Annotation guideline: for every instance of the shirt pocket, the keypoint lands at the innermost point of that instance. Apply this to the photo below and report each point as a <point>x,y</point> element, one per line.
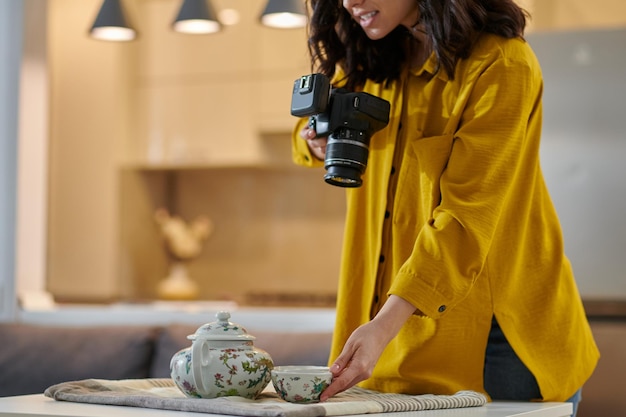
<point>419,189</point>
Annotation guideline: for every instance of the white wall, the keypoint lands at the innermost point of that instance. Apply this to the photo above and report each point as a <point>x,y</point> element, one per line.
<point>11,12</point>
<point>32,161</point>
<point>583,150</point>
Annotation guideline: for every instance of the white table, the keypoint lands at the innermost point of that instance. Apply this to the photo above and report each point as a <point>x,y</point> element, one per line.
<point>40,406</point>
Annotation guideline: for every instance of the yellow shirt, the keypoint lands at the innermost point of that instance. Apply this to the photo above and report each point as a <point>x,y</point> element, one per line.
<point>454,217</point>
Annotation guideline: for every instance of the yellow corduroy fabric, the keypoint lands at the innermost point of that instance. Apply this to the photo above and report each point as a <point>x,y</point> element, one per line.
<point>454,216</point>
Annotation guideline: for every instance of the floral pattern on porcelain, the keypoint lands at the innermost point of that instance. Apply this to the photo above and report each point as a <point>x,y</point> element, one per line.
<point>305,388</point>
<point>181,372</point>
<point>223,326</point>
<point>228,365</point>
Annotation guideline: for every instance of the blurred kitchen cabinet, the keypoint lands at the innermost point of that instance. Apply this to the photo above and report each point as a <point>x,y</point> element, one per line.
<point>204,99</point>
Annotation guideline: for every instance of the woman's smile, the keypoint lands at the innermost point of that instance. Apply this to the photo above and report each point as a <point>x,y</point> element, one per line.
<point>379,17</point>
<point>366,20</point>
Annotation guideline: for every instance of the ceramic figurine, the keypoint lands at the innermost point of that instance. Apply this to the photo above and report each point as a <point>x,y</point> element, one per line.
<point>184,243</point>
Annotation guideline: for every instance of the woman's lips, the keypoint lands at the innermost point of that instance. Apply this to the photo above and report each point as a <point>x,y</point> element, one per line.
<point>366,19</point>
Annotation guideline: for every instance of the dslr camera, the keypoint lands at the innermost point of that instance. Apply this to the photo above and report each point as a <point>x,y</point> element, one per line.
<point>348,119</point>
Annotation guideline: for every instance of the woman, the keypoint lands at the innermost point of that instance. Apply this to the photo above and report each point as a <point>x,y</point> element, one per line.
<point>453,273</point>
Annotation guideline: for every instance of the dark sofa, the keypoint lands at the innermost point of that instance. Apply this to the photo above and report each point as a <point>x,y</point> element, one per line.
<point>34,357</point>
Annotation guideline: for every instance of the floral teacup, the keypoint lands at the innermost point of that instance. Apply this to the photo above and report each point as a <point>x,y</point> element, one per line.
<point>301,384</point>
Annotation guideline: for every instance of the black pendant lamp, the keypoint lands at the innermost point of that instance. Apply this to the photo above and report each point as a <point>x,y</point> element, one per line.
<point>111,23</point>
<point>284,14</point>
<point>197,17</point>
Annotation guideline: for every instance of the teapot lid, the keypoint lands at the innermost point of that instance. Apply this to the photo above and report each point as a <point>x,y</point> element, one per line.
<point>222,329</point>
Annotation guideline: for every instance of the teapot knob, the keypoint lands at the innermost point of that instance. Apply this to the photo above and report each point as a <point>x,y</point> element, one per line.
<point>223,315</point>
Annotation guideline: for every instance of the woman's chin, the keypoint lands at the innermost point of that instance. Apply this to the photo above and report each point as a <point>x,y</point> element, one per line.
<point>376,34</point>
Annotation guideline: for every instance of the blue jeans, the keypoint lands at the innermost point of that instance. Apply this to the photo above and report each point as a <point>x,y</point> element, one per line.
<point>506,377</point>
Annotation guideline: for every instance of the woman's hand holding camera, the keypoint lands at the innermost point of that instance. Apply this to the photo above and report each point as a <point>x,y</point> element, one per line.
<point>316,145</point>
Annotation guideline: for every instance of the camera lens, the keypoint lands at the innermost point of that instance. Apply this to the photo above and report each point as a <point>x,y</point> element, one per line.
<point>346,158</point>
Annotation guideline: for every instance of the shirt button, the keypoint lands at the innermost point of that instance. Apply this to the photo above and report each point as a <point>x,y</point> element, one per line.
<point>306,157</point>
<point>442,309</point>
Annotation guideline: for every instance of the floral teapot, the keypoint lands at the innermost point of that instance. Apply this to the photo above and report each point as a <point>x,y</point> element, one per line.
<point>221,361</point>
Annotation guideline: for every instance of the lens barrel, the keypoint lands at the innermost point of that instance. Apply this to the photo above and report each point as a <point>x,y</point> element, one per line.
<point>347,151</point>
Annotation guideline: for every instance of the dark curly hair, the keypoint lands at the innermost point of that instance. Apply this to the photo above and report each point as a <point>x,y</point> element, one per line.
<point>452,27</point>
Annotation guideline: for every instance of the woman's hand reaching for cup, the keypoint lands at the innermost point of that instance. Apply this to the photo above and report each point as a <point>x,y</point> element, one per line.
<point>357,360</point>
<point>366,344</point>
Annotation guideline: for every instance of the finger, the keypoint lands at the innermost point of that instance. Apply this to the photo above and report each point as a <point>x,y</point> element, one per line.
<point>317,147</point>
<point>341,362</point>
<point>347,379</point>
<point>333,389</point>
<point>342,378</point>
<point>308,133</point>
<point>317,142</point>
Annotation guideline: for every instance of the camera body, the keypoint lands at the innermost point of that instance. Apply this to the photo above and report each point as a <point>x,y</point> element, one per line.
<point>349,120</point>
